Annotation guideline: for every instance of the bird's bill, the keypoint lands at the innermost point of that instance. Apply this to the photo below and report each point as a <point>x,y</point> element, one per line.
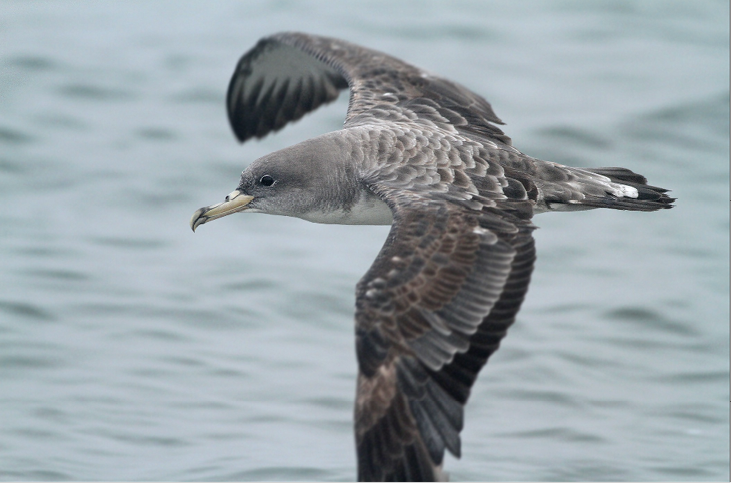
<point>235,201</point>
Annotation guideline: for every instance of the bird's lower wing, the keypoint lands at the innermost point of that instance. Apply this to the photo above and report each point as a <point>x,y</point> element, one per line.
<point>430,311</point>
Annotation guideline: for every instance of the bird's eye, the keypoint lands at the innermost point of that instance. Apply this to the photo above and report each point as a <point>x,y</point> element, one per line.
<point>266,180</point>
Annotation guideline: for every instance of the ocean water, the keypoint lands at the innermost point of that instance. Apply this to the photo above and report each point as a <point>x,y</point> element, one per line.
<point>132,349</point>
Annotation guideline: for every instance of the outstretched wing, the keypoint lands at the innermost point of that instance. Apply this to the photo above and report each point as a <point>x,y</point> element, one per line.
<point>430,311</point>
<point>290,74</point>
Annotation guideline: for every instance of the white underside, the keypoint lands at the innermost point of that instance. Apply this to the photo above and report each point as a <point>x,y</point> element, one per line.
<point>369,210</point>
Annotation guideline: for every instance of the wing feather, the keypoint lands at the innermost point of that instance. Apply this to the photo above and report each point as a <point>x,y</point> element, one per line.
<point>431,310</point>
<point>286,75</point>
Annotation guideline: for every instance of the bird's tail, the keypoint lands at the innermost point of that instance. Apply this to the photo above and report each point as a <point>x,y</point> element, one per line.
<point>649,198</point>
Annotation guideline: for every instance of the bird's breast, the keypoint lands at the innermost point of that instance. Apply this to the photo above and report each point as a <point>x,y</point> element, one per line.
<point>369,209</point>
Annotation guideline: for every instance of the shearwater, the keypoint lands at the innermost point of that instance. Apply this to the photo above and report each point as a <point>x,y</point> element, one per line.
<point>425,155</point>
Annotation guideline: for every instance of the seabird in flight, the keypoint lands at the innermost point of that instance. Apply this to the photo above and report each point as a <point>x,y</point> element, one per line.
<point>425,155</point>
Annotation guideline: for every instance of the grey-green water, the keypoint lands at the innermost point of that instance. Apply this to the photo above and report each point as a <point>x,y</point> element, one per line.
<point>132,349</point>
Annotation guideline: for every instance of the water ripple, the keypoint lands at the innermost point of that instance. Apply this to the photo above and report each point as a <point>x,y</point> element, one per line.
<point>26,310</point>
<point>651,319</point>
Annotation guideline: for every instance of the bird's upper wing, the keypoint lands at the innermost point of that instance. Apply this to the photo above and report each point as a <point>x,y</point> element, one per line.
<point>287,75</point>
<point>430,311</point>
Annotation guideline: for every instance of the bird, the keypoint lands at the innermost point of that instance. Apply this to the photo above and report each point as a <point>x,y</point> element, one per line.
<point>426,156</point>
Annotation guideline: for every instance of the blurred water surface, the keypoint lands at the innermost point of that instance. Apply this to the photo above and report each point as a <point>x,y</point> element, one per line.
<point>131,349</point>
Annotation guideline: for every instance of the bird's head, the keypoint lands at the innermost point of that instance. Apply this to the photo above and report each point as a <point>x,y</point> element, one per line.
<point>296,181</point>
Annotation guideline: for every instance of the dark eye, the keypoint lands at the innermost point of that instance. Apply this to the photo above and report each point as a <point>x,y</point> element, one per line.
<point>266,180</point>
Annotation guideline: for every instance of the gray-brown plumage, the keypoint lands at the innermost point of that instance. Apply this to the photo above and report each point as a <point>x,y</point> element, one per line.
<point>425,155</point>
